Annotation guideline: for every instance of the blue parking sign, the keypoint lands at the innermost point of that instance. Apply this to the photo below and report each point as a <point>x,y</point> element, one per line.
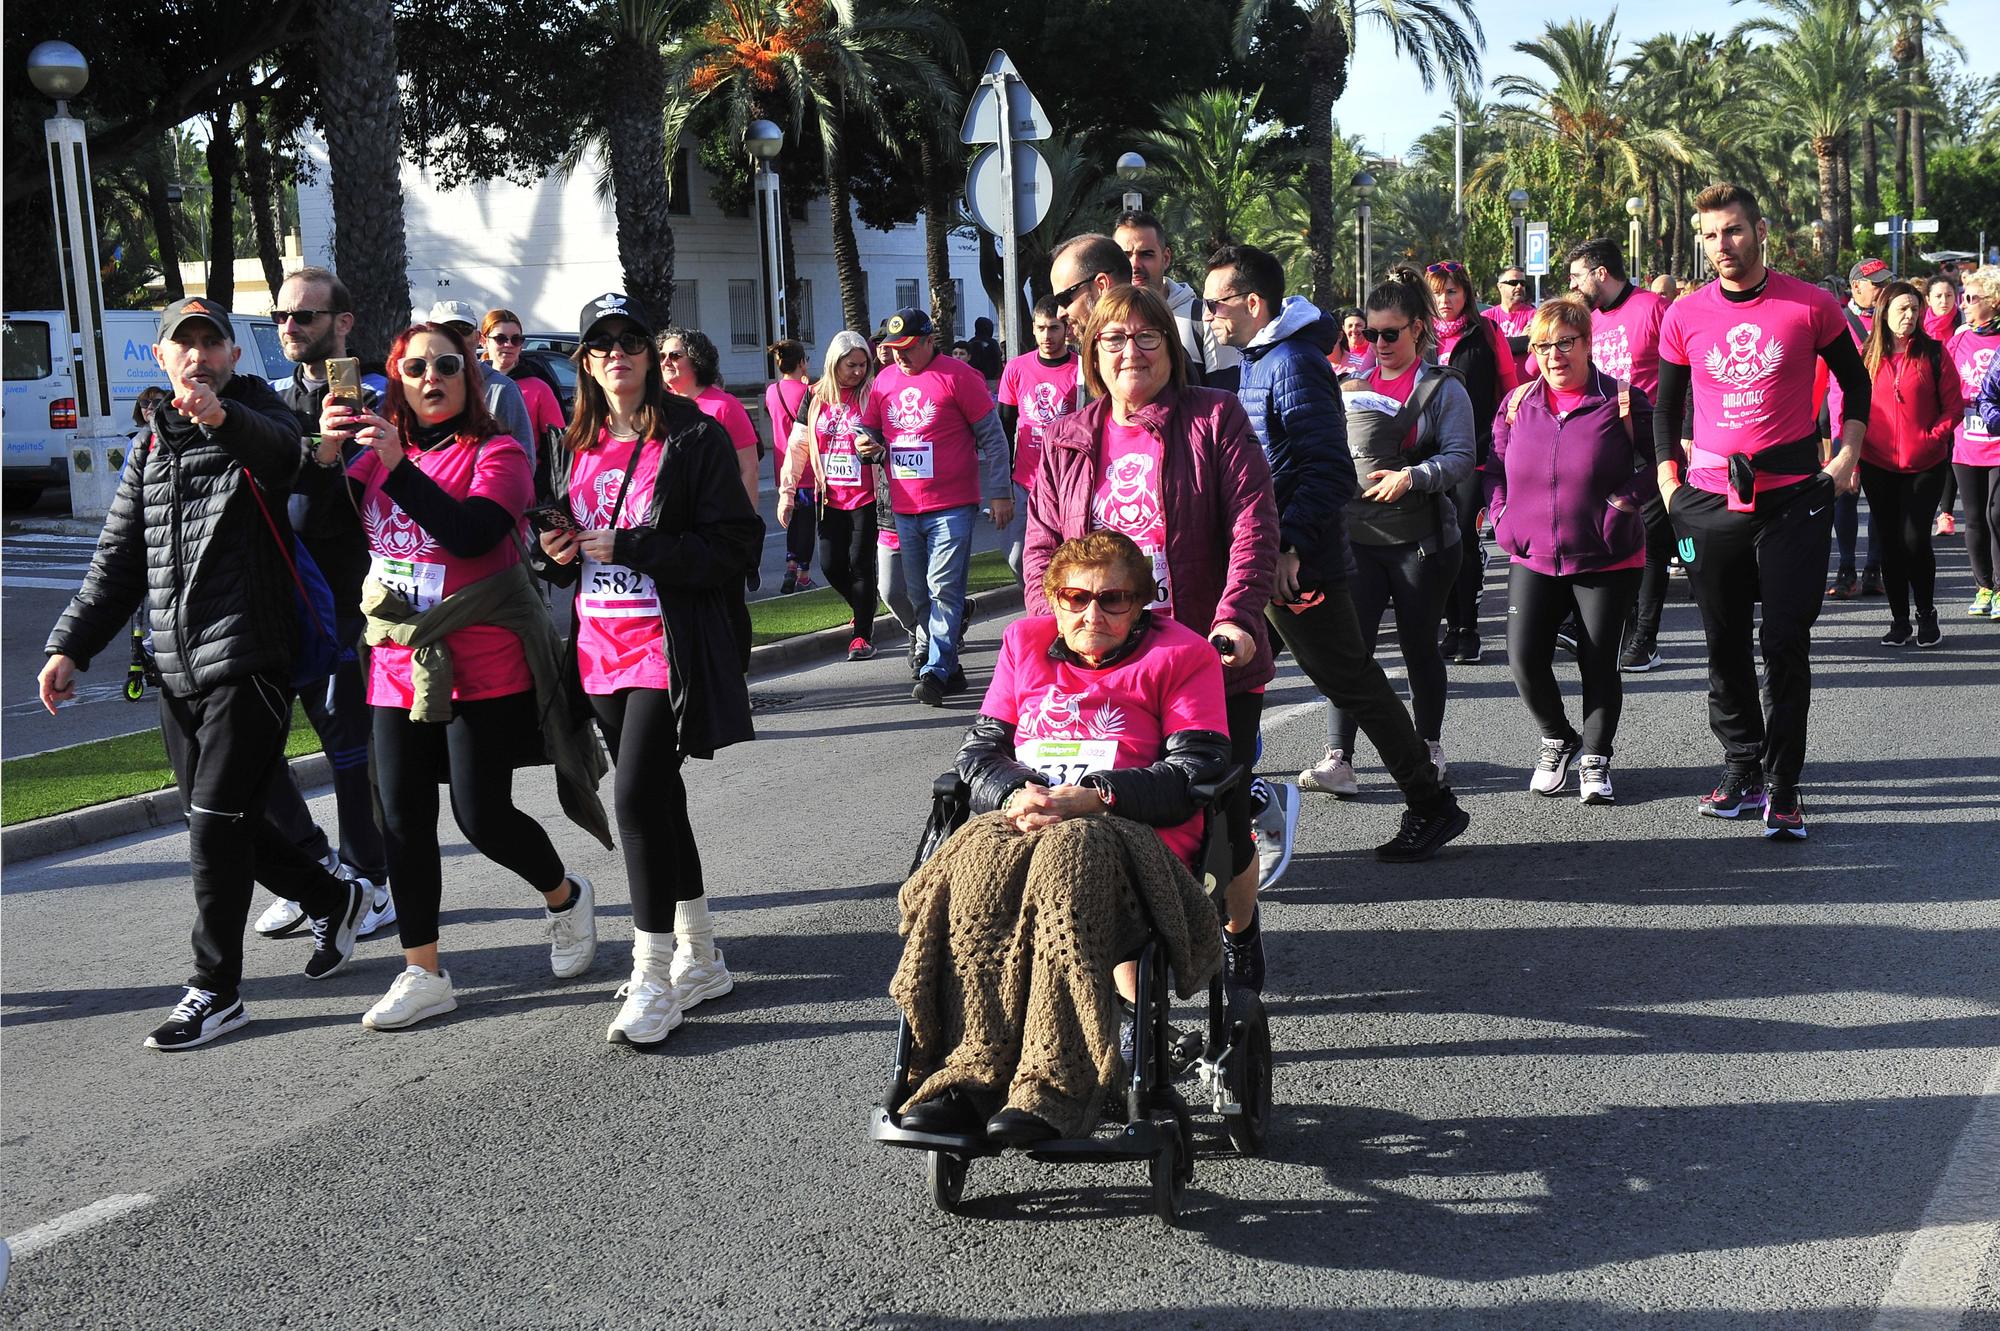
<point>1535,249</point>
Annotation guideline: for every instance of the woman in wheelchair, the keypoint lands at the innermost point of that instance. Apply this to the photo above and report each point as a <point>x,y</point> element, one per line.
<point>1100,721</point>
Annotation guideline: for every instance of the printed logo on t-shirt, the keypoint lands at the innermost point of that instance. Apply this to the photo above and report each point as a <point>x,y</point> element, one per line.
<point>393,533</point>
<point>603,494</point>
<point>1044,405</point>
<point>909,413</point>
<point>1973,372</point>
<point>1740,362</point>
<point>1612,351</point>
<point>1059,715</point>
<point>1131,503</point>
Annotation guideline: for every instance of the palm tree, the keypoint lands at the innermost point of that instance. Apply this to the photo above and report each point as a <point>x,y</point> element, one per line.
<point>1212,163</point>
<point>1911,22</point>
<point>634,142</point>
<point>1440,37</point>
<point>786,60</point>
<point>1681,83</point>
<point>362,116</point>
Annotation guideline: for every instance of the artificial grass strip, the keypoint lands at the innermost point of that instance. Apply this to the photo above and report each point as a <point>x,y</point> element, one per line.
<point>822,608</point>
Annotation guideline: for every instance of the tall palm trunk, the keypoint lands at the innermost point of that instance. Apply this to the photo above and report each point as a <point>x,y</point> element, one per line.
<point>1326,79</point>
<point>937,237</point>
<point>222,160</point>
<point>1825,151</point>
<point>1651,242</point>
<point>263,212</point>
<point>1843,190</point>
<point>1920,185</point>
<point>1871,185</point>
<point>846,254</point>
<point>160,212</point>
<point>362,117</point>
<point>636,143</point>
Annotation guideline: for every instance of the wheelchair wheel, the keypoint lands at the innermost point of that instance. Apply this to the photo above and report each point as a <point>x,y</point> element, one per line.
<point>1249,1074</point>
<point>947,1178</point>
<point>1167,1179</point>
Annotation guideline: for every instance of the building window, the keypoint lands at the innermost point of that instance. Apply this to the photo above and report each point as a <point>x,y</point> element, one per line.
<point>680,192</point>
<point>746,322</point>
<point>802,314</point>
<point>908,294</point>
<point>958,324</point>
<point>686,307</point>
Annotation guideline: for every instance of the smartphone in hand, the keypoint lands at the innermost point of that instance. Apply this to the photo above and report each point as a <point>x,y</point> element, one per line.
<point>343,380</point>
<point>552,517</point>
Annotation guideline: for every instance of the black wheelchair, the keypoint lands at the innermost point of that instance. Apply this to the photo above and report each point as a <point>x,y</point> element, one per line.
<point>1228,1060</point>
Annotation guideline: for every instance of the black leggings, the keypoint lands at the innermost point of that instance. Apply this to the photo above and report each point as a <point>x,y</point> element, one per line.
<point>649,798</point>
<point>1981,488</point>
<point>1536,604</point>
<point>1461,609</point>
<point>1246,715</point>
<point>847,540</point>
<point>1417,585</point>
<point>1904,504</point>
<point>799,533</point>
<point>477,748</point>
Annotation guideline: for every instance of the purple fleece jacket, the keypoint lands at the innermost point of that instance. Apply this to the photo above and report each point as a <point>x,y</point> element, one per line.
<point>1565,494</point>
<point>1222,518</point>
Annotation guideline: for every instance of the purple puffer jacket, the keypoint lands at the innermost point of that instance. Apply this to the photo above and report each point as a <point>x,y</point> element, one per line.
<point>1565,494</point>
<point>1222,518</point>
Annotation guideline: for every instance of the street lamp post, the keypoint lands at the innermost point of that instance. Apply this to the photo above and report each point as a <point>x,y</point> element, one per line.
<point>1130,167</point>
<point>1364,190</point>
<point>59,71</point>
<point>1700,251</point>
<point>764,141</point>
<point>1633,207</point>
<point>1517,202</point>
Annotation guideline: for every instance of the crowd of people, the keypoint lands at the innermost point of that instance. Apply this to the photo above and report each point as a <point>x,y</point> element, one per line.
<point>1186,480</point>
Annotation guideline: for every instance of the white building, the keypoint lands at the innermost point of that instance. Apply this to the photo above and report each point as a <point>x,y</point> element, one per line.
<point>543,251</point>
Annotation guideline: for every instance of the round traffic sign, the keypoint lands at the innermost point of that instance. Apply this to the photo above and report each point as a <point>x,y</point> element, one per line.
<point>1034,189</point>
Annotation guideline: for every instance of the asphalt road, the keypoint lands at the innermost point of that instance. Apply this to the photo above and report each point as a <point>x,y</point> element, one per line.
<point>1593,1068</point>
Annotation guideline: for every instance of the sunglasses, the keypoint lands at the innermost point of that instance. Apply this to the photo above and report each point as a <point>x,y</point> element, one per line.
<point>1388,335</point>
<point>303,318</point>
<point>1513,281</point>
<point>1115,600</point>
<point>1146,339</point>
<point>1448,266</point>
<point>632,344</point>
<point>1069,293</point>
<point>415,367</point>
<point>1210,308</point>
<point>507,339</point>
<point>1562,346</point>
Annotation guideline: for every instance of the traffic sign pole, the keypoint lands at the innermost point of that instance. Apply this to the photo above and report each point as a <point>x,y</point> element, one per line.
<point>1010,257</point>
<point>1001,111</point>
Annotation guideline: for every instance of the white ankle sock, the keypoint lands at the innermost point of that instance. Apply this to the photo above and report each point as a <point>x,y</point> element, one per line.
<point>691,926</point>
<point>651,952</point>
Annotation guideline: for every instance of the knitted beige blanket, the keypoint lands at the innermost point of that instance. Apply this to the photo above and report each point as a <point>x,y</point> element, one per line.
<point>1011,939</point>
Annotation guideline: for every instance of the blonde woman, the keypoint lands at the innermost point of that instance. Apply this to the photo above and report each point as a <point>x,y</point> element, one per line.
<point>828,461</point>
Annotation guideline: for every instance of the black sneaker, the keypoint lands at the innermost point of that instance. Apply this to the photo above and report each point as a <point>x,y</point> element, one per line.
<point>1784,815</point>
<point>1928,632</point>
<point>199,1017</point>
<point>929,690</point>
<point>1424,831</point>
<point>1738,795</point>
<point>1243,957</point>
<point>1468,647</point>
<point>1899,635</point>
<point>1448,643</point>
<point>1566,636</point>
<point>917,655</point>
<point>955,681</point>
<point>1639,656</point>
<point>1871,582</point>
<point>790,584</point>
<point>333,935</point>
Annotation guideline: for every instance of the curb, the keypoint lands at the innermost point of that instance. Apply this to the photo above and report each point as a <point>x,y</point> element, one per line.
<point>162,808</point>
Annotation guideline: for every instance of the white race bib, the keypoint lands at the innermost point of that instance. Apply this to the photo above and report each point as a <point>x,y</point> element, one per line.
<point>419,583</point>
<point>910,459</point>
<point>840,468</point>
<point>1165,603</point>
<point>613,591</point>
<point>1065,761</point>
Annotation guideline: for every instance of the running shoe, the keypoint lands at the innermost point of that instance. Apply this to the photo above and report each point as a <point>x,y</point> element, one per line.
<point>790,584</point>
<point>1593,780</point>
<point>415,996</point>
<point>1844,587</point>
<point>381,909</point>
<point>1928,632</point>
<point>333,935</point>
<point>1436,750</point>
<point>1243,957</point>
<point>928,690</point>
<point>1331,775</point>
<point>1425,830</point>
<point>1448,643</point>
<point>1566,638</point>
<point>1946,525</point>
<point>1899,635</point>
<point>1551,772</point>
<point>649,1014</point>
<point>1981,607</point>
<point>1871,582</point>
<point>1639,656</point>
<point>1468,647</point>
<point>955,682</point>
<point>805,583</point>
<point>1273,829</point>
<point>698,979</point>
<point>918,653</point>
<point>1784,815</point>
<point>1739,794</point>
<point>201,1015</point>
<point>573,931</point>
<point>860,649</point>
<point>282,918</point>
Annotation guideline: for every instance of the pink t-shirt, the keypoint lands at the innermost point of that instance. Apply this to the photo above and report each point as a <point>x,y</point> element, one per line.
<point>1513,323</point>
<point>1752,367</point>
<point>927,420</point>
<point>1042,393</point>
<point>1070,720</point>
<point>722,406</point>
<point>1625,342</point>
<point>848,483</point>
<point>1400,389</point>
<point>1127,497</point>
<point>1562,401</point>
<point>1973,352</point>
<point>487,660</point>
<point>1358,364</point>
<point>784,402</point>
<point>544,412</point>
<point>620,639</point>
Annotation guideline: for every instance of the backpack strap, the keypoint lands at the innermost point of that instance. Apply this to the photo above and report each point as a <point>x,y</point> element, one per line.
<point>1518,396</point>
<point>1625,411</point>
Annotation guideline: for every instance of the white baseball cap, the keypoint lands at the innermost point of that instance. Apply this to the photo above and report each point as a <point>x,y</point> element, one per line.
<point>452,312</point>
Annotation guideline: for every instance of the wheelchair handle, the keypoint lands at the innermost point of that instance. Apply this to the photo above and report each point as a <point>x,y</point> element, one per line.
<point>1223,647</point>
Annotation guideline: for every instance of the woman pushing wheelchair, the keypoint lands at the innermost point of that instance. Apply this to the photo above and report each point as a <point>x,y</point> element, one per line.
<point>1101,721</point>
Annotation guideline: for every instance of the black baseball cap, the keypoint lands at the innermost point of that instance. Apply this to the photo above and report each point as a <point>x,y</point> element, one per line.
<point>194,307</point>
<point>612,304</point>
<point>905,326</point>
<point>1870,270</point>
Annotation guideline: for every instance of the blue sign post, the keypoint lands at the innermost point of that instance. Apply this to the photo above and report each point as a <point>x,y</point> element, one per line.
<point>1535,254</point>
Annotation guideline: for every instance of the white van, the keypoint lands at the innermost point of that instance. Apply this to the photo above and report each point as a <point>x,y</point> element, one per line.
<point>40,394</point>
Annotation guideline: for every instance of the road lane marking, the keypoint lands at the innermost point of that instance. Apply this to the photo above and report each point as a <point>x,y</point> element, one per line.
<point>1934,1284</point>
<point>75,1222</point>
<point>42,584</point>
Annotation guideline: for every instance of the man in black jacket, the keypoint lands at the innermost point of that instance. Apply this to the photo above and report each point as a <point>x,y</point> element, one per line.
<point>185,537</point>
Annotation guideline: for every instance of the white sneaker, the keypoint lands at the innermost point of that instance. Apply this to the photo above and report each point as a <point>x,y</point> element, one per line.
<point>416,995</point>
<point>381,912</point>
<point>1593,780</point>
<point>1437,756</point>
<point>1331,775</point>
<point>1552,765</point>
<point>573,932</point>
<point>1273,830</point>
<point>651,1010</point>
<point>280,918</point>
<point>697,979</point>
